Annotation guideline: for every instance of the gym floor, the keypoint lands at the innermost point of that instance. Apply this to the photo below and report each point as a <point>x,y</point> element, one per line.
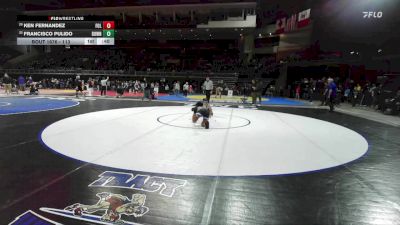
<point>109,161</point>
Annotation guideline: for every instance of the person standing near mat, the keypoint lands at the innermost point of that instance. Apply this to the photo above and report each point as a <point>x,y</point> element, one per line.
<point>21,83</point>
<point>219,89</point>
<point>208,86</point>
<point>78,85</point>
<point>331,94</point>
<point>120,89</point>
<point>185,89</point>
<point>7,84</point>
<point>103,84</point>
<point>146,90</point>
<point>255,91</point>
<point>90,85</point>
<point>177,88</point>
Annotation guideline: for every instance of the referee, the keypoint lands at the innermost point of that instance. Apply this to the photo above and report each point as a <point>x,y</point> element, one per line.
<point>208,86</point>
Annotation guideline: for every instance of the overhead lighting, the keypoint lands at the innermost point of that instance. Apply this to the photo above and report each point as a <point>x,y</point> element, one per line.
<point>379,50</point>
<point>259,35</point>
<point>270,34</point>
<point>352,52</point>
<point>191,30</point>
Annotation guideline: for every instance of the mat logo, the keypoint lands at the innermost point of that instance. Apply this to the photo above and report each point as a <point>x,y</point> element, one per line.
<point>165,186</point>
<point>373,14</point>
<point>111,206</point>
<point>114,205</point>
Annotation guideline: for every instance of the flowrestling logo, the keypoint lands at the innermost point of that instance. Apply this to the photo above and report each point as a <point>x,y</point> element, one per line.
<point>373,14</point>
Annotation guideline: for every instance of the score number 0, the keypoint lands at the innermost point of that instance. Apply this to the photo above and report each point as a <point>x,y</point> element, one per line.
<point>108,25</point>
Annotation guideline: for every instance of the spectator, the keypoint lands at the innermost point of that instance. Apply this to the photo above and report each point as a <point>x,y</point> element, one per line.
<point>103,84</point>
<point>177,88</point>
<point>374,95</point>
<point>21,83</point>
<point>208,87</point>
<point>78,85</point>
<point>156,90</point>
<point>90,86</point>
<point>325,94</point>
<point>146,91</point>
<point>120,89</point>
<point>190,89</point>
<point>136,87</point>
<point>255,91</point>
<point>310,92</point>
<point>392,105</point>
<point>7,81</point>
<point>298,88</point>
<point>185,89</point>
<point>331,94</point>
<point>166,88</point>
<point>356,94</point>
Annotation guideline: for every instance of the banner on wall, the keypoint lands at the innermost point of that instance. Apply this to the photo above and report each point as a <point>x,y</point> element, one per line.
<point>304,18</point>
<point>294,22</point>
<point>280,25</point>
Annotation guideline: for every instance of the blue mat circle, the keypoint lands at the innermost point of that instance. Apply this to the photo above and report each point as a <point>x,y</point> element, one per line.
<point>19,105</point>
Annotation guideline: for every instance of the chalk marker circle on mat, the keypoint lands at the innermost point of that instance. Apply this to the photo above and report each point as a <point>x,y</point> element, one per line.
<point>272,144</point>
<point>222,121</point>
<point>2,104</point>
